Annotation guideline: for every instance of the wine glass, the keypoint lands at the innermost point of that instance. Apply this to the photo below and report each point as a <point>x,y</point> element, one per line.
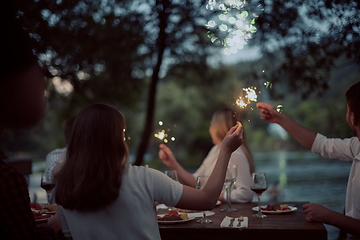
<point>200,182</point>
<point>47,183</point>
<point>173,175</point>
<point>259,185</point>
<point>230,180</point>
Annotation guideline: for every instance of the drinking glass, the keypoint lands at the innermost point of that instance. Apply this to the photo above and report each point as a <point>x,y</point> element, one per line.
<point>259,185</point>
<point>200,182</point>
<point>230,180</point>
<point>47,183</point>
<point>173,175</point>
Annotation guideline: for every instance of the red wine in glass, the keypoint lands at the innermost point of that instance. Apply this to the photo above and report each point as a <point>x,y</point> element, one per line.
<point>47,186</point>
<point>258,191</point>
<point>259,185</point>
<point>47,182</point>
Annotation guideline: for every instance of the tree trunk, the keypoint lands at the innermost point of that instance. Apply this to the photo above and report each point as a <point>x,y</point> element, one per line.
<point>161,5</point>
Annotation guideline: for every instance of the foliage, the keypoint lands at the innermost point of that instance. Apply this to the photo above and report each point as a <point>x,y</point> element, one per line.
<point>151,60</point>
<point>304,39</point>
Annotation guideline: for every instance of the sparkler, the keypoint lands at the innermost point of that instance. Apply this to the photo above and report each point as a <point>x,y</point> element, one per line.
<point>126,138</point>
<point>249,95</point>
<point>163,134</point>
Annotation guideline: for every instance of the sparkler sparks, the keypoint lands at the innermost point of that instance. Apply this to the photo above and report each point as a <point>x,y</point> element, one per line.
<point>249,96</point>
<point>268,85</point>
<point>163,134</point>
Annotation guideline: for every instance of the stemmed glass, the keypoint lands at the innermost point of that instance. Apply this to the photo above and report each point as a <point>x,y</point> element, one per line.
<point>230,180</point>
<point>47,183</point>
<point>259,185</point>
<point>173,175</point>
<point>200,182</point>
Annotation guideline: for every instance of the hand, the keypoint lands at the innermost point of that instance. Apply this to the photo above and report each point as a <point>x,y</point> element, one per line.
<point>166,155</point>
<point>233,138</point>
<point>268,112</point>
<point>54,223</point>
<point>317,213</point>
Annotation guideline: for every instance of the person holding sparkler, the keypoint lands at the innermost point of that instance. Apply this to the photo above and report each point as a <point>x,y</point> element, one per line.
<point>102,196</point>
<point>222,120</point>
<point>333,148</point>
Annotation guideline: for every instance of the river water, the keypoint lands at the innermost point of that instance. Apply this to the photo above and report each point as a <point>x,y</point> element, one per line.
<point>300,176</point>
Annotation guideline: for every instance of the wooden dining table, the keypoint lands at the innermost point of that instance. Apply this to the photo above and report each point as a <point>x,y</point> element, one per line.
<point>287,226</point>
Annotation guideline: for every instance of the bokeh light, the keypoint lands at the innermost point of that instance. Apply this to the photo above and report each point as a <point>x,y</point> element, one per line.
<point>234,25</point>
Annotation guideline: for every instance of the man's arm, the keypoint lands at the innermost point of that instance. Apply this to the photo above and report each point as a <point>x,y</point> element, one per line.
<point>317,213</point>
<point>302,134</point>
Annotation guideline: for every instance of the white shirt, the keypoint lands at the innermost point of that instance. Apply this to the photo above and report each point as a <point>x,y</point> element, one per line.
<point>241,191</point>
<point>132,215</point>
<point>52,159</point>
<point>346,150</point>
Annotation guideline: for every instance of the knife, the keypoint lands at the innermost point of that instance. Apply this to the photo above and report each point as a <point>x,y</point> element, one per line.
<point>240,219</point>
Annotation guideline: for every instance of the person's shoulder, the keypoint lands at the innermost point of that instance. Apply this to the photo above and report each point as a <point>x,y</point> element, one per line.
<point>239,151</point>
<point>57,151</point>
<point>136,169</point>
<point>8,173</point>
<point>145,172</point>
<point>215,149</point>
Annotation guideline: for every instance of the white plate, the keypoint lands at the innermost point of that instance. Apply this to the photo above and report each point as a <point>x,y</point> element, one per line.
<point>292,209</point>
<point>48,212</point>
<point>43,219</point>
<point>173,222</point>
<point>218,203</point>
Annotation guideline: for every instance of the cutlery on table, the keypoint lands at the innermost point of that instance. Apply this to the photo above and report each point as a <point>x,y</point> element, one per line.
<point>231,222</point>
<point>240,219</point>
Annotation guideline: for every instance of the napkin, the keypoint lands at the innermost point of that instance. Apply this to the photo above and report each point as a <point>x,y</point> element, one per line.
<point>226,222</point>
<point>161,206</point>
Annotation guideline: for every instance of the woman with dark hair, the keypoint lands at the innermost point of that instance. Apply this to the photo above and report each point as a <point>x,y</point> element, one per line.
<point>222,120</point>
<point>100,196</point>
<point>55,158</point>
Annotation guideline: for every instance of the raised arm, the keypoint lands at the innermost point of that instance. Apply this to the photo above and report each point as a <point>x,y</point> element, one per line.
<point>205,198</point>
<point>302,134</point>
<point>169,160</point>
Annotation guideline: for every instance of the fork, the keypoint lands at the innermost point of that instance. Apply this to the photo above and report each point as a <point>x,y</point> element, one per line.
<point>240,219</point>
<point>231,222</point>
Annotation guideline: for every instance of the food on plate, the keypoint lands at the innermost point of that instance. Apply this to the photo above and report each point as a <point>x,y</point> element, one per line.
<point>35,206</point>
<point>37,215</point>
<point>186,210</point>
<point>173,215</point>
<point>276,207</point>
<point>49,208</point>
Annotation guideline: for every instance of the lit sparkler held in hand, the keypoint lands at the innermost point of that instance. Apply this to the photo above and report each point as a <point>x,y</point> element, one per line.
<point>163,134</point>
